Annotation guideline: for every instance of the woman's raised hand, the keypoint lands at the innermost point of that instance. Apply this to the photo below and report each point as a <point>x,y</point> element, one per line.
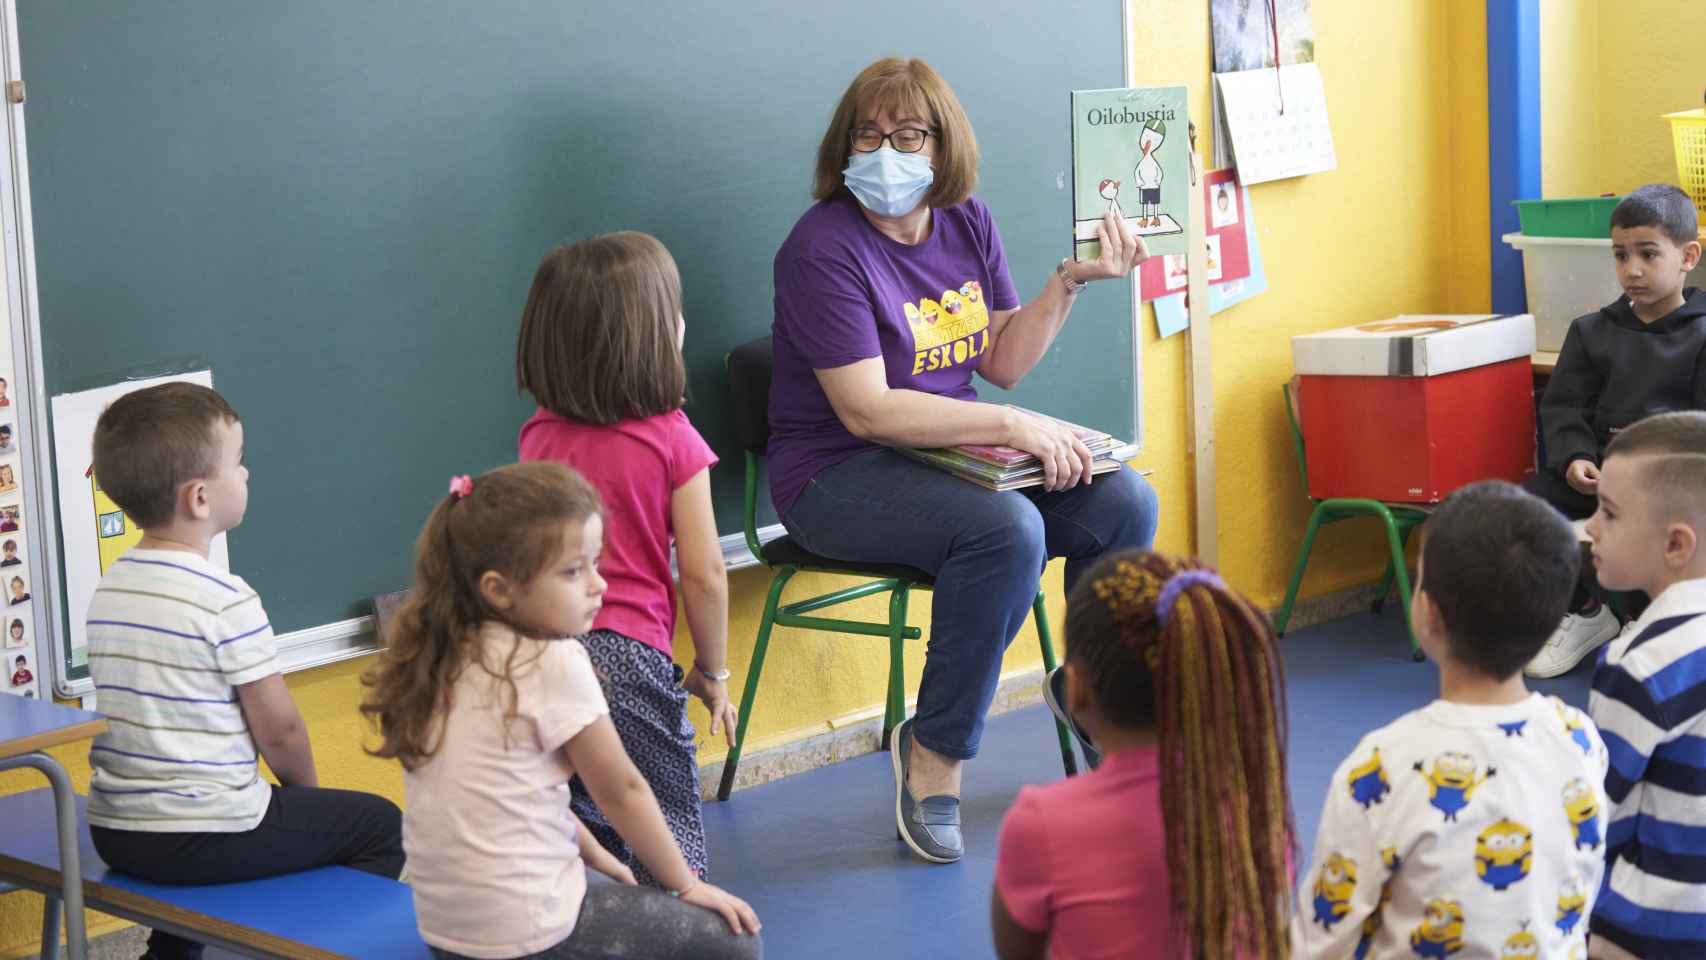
<point>1065,458</point>
<point>1121,250</point>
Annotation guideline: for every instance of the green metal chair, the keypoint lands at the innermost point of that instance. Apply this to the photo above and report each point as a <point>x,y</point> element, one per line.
<point>749,369</point>
<point>1399,520</point>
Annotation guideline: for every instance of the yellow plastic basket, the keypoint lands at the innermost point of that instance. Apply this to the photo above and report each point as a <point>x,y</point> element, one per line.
<point>1689,130</point>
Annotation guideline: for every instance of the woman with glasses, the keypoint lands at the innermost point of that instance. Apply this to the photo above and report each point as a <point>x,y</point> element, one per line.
<point>891,291</point>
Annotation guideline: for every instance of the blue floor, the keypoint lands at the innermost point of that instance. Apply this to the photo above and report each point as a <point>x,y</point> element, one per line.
<point>816,854</point>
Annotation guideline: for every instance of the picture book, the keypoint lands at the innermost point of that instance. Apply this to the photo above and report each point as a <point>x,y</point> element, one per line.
<point>1131,156</point>
<point>1000,467</point>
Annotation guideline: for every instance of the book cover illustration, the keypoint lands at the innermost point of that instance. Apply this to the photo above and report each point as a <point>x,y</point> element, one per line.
<point>1130,156</point>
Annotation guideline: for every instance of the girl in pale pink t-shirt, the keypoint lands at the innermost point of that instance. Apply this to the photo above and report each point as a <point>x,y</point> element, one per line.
<point>1179,845</point>
<point>491,709</point>
<point>600,350</point>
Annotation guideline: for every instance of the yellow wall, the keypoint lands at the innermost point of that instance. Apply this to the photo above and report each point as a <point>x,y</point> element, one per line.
<point>1609,71</point>
<point>1399,227</point>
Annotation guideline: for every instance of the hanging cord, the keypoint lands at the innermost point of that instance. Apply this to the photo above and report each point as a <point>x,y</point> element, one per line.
<point>1273,28</point>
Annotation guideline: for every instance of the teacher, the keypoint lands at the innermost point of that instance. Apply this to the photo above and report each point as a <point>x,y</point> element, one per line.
<point>891,291</point>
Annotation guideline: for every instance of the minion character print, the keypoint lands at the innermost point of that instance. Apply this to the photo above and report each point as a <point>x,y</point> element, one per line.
<point>1504,853</point>
<point>1368,783</point>
<point>1521,946</point>
<point>1371,923</point>
<point>1575,725</point>
<point>1452,781</point>
<point>1582,807</point>
<point>1333,888</point>
<point>1441,930</point>
<point>1572,903</point>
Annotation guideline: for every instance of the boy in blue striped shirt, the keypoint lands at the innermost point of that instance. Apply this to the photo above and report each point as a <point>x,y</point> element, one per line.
<point>184,662</point>
<point>1649,693</point>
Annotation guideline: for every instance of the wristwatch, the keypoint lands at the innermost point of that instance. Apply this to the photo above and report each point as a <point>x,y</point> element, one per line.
<point>721,676</point>
<point>1072,286</point>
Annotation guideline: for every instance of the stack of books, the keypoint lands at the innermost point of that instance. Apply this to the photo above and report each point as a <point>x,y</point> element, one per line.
<point>1000,467</point>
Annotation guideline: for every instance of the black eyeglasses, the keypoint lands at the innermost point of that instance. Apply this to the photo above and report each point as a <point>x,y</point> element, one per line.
<point>906,139</point>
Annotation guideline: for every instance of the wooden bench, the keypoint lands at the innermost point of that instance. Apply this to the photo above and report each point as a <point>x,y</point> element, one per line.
<point>320,914</point>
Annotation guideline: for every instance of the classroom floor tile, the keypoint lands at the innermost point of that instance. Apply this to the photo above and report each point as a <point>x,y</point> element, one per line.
<point>816,854</point>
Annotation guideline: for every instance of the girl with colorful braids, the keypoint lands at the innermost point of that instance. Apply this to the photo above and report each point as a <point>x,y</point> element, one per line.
<point>1180,843</point>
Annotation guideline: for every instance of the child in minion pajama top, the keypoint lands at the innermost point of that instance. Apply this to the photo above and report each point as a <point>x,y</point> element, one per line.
<point>1489,834</point>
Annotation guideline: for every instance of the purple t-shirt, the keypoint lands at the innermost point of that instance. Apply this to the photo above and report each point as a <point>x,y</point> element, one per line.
<point>845,292</point>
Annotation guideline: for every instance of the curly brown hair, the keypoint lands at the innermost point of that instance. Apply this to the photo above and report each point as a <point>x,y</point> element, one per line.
<point>1164,643</point>
<point>511,522</point>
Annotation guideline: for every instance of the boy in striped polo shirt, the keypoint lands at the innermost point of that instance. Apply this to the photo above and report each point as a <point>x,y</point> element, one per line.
<point>1649,694</point>
<point>183,659</point>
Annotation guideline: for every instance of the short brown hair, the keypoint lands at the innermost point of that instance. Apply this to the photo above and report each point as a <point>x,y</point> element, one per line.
<point>1675,474</point>
<point>598,338</point>
<point>1500,564</point>
<point>511,521</point>
<point>151,442</point>
<point>903,88</point>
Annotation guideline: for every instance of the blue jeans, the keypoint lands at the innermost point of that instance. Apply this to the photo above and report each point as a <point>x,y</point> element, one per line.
<point>986,551</point>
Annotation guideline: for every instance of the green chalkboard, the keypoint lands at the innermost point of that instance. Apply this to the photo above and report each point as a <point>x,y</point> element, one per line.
<point>338,205</point>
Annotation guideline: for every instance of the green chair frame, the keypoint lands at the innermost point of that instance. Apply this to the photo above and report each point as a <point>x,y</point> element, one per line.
<point>799,614</point>
<point>1399,521</point>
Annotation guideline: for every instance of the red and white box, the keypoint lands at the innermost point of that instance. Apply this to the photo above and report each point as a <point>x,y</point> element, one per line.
<point>1409,409</point>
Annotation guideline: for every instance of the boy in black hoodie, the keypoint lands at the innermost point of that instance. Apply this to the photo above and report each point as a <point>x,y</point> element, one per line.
<point>1641,355</point>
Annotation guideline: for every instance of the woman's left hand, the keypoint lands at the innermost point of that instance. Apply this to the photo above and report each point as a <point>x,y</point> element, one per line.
<point>715,695</point>
<point>1121,250</point>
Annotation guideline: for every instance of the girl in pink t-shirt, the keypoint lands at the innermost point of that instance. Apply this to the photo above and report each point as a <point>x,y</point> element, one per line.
<point>491,709</point>
<point>600,350</point>
<point>1180,843</point>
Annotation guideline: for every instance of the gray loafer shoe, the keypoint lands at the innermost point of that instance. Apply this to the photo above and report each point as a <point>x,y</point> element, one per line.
<point>931,826</point>
<point>1054,694</point>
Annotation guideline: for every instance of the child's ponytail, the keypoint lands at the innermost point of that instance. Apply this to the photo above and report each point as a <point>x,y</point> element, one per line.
<point>1167,643</point>
<point>509,521</point>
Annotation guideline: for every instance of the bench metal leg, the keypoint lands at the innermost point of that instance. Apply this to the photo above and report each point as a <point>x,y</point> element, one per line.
<point>70,873</point>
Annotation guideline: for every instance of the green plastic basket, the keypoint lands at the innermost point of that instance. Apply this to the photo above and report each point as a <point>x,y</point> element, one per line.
<point>1575,217</point>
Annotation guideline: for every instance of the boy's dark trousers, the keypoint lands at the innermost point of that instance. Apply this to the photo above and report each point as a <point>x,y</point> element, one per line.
<point>303,828</point>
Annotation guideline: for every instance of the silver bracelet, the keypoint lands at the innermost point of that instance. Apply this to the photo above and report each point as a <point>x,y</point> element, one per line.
<point>1065,275</point>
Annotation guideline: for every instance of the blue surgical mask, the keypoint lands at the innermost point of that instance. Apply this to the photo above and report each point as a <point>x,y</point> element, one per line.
<point>889,183</point>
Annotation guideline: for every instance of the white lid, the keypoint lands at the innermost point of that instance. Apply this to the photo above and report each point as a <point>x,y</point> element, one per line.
<point>1416,345</point>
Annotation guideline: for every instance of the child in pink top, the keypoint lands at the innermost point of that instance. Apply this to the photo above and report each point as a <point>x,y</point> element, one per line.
<point>1180,843</point>
<point>491,708</point>
<point>600,350</point>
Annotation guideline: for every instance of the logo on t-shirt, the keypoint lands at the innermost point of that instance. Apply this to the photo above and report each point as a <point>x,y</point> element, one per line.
<point>951,331</point>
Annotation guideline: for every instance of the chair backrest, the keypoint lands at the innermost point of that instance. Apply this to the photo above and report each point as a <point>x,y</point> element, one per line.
<point>1289,388</point>
<point>749,368</point>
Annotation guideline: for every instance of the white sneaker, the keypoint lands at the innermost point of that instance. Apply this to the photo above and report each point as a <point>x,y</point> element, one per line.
<point>1576,638</point>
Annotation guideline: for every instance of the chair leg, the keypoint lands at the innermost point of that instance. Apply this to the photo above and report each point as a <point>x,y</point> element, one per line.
<point>1402,575</point>
<point>50,927</point>
<point>732,762</point>
<point>1045,639</point>
<point>1385,588</point>
<point>1387,577</point>
<point>1284,614</point>
<point>894,701</point>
